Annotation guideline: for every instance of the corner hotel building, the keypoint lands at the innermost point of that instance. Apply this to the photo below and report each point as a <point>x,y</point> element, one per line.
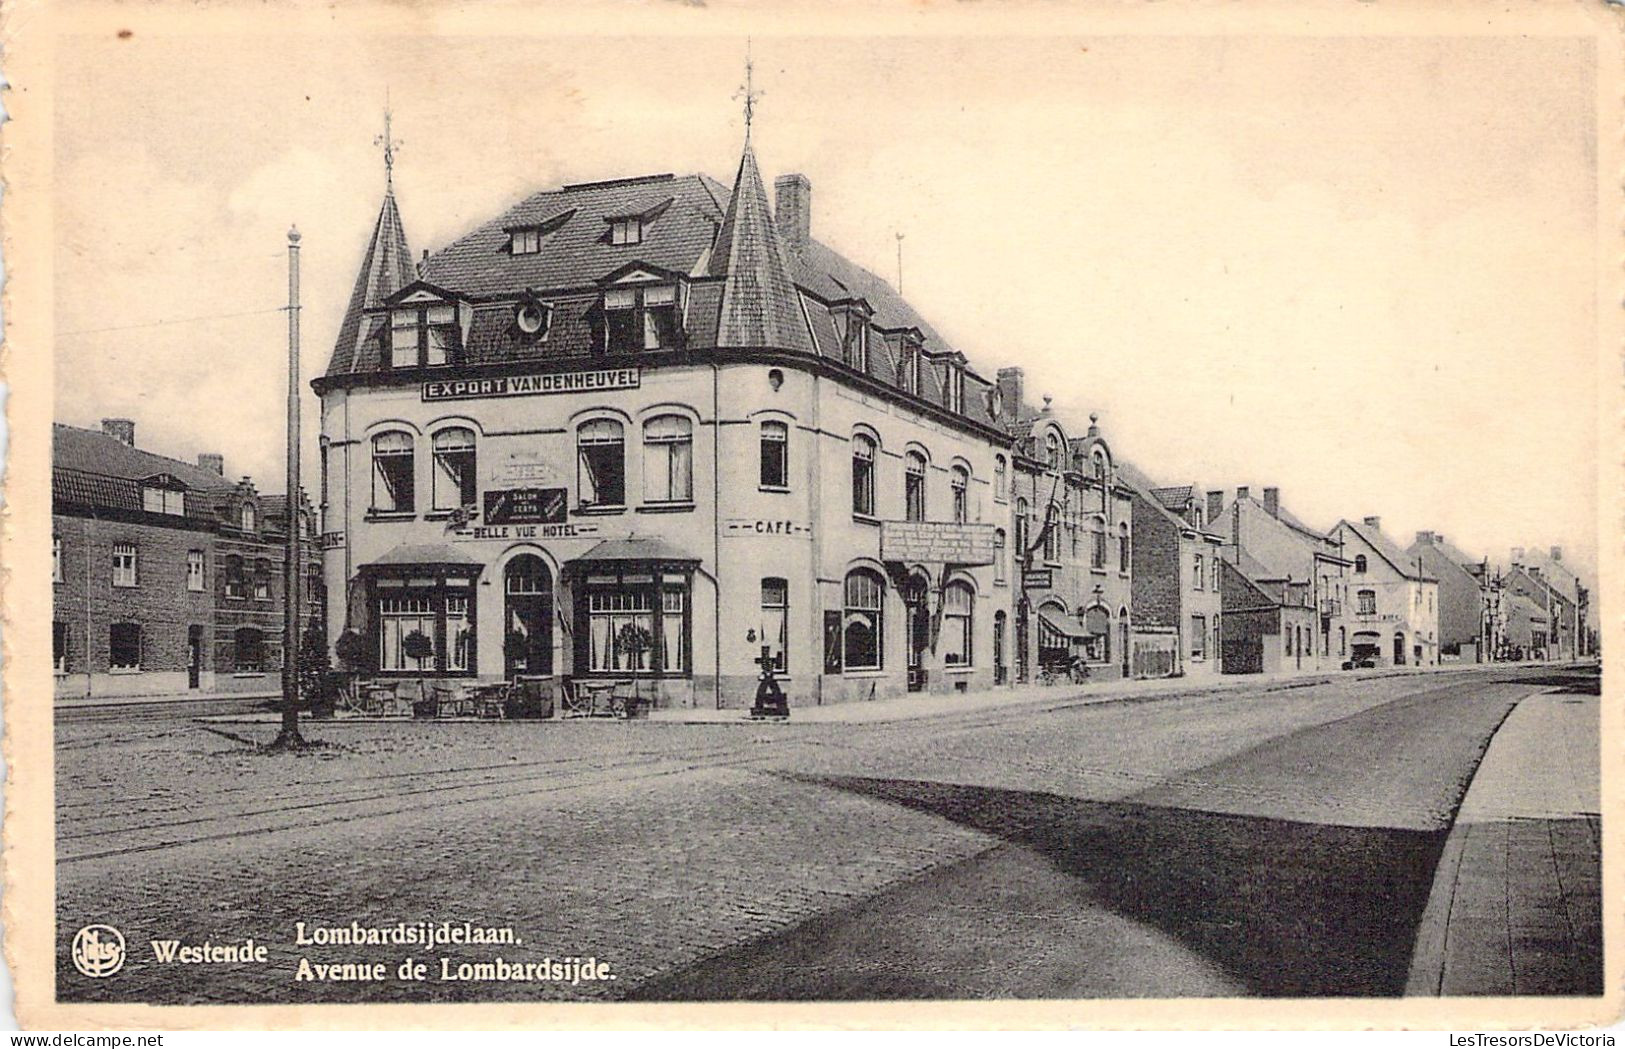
<point>646,401</point>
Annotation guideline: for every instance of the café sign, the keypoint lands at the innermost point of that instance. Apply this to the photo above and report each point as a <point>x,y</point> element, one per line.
<point>527,385</point>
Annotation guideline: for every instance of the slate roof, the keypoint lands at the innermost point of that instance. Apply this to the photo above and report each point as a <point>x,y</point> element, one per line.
<point>760,304</point>
<point>92,451</point>
<point>1176,498</point>
<point>1556,573</point>
<point>748,286</point>
<point>1402,562</point>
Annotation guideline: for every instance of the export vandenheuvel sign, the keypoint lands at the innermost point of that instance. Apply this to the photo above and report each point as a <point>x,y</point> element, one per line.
<point>526,385</point>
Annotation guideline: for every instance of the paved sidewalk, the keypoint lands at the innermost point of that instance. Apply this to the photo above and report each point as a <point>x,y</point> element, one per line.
<point>927,705</point>
<point>1516,903</point>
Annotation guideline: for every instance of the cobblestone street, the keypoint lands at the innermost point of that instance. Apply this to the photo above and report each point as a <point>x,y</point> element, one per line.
<point>1263,842</point>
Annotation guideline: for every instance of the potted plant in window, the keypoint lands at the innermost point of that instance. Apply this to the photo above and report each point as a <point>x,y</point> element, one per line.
<point>354,653</point>
<point>634,639</point>
<point>418,646</point>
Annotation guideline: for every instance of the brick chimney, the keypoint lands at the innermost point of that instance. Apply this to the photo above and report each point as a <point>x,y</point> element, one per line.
<point>1242,493</point>
<point>1517,555</point>
<point>1557,553</point>
<point>121,430</point>
<point>1215,506</point>
<point>1374,522</point>
<point>1427,538</point>
<point>1272,502</point>
<point>1010,391</point>
<point>792,210</point>
<point>213,462</point>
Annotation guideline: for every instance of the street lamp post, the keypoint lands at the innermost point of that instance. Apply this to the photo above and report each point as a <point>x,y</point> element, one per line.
<point>289,736</point>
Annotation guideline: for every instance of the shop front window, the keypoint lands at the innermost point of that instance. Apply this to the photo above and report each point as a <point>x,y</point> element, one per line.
<point>863,623</point>
<point>425,623</point>
<point>634,621</point>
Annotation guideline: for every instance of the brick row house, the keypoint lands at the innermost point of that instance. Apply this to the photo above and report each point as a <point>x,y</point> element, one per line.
<point>649,426</point>
<point>167,577</point>
<point>1285,591</point>
<point>1177,604</point>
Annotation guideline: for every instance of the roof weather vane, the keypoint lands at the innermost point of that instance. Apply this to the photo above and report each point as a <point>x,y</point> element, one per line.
<point>748,92</point>
<point>390,144</point>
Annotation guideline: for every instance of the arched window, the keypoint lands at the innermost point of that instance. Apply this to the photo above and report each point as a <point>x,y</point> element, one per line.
<point>668,460</point>
<point>1052,534</point>
<point>1100,466</point>
<point>262,580</point>
<point>863,622</point>
<point>392,472</point>
<point>250,648</point>
<point>1001,478</point>
<point>1021,530</point>
<point>1359,564</point>
<point>958,606</point>
<point>454,485</point>
<point>1097,537</point>
<point>998,555</point>
<point>247,519</point>
<point>1052,450</point>
<point>775,455</point>
<point>914,487</point>
<point>601,463</point>
<point>959,484</point>
<point>1123,547</point>
<point>1367,602</point>
<point>863,475</point>
<point>1097,635</point>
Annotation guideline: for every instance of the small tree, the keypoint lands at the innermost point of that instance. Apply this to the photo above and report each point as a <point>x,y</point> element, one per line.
<point>634,639</point>
<point>417,645</point>
<point>354,653</point>
<point>315,672</point>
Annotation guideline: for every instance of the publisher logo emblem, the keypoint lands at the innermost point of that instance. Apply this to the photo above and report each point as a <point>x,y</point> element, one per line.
<point>98,950</point>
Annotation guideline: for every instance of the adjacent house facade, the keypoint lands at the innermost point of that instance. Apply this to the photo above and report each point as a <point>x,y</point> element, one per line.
<point>167,578</point>
<point>1301,570</point>
<point>1468,613</point>
<point>1394,620</point>
<point>1178,603</point>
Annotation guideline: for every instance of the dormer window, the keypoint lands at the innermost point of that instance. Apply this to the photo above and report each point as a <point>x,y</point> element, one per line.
<point>525,241</point>
<point>908,367</point>
<point>626,231</point>
<point>246,519</point>
<point>159,497</point>
<point>953,395</point>
<point>422,336</point>
<point>642,319</point>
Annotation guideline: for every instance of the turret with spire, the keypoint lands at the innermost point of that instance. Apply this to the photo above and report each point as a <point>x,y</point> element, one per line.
<point>759,298</point>
<point>386,267</point>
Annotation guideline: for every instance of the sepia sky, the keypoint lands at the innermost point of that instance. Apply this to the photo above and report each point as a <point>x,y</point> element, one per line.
<point>1360,269</point>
